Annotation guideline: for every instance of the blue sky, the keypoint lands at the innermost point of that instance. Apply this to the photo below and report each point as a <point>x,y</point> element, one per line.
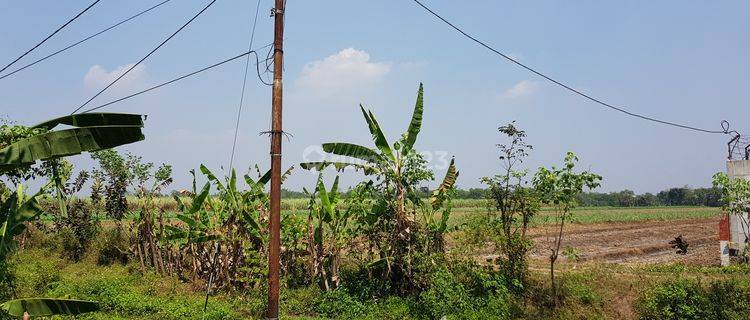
<point>683,61</point>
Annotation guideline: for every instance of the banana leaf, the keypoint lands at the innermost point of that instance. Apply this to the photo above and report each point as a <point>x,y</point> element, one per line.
<point>95,120</point>
<point>438,196</point>
<point>39,307</point>
<point>93,132</point>
<point>353,150</point>
<point>416,122</point>
<point>340,166</point>
<point>377,134</point>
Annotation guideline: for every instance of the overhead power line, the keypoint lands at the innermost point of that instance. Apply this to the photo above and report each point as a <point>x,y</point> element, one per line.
<point>562,84</point>
<point>50,36</point>
<point>244,84</point>
<point>146,56</point>
<point>83,40</point>
<point>183,77</point>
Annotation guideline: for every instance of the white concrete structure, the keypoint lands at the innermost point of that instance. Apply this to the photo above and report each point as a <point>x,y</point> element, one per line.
<point>738,227</point>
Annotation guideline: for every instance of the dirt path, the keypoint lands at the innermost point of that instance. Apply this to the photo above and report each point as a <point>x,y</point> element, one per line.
<point>637,242</point>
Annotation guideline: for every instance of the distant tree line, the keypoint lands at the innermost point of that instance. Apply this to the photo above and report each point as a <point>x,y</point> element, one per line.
<point>682,196</point>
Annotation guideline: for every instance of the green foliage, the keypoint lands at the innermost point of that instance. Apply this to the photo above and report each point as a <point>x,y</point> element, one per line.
<point>35,271</point>
<point>11,133</point>
<point>15,212</point>
<point>328,232</point>
<point>117,295</point>
<point>83,227</point>
<point>338,304</point>
<point>560,188</point>
<point>112,245</point>
<point>90,132</point>
<point>7,281</point>
<point>680,299</point>
<point>389,227</point>
<point>512,205</point>
<point>113,168</point>
<point>37,307</point>
<point>688,299</point>
<point>577,287</point>
<point>735,193</point>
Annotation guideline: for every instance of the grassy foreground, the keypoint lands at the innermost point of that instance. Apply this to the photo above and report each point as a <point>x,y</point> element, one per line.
<point>592,291</point>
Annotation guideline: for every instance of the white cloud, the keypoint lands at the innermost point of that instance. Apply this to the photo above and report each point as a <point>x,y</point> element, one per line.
<point>522,89</point>
<point>97,77</point>
<point>347,69</point>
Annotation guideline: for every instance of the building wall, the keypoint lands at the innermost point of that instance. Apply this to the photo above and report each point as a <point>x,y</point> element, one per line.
<point>738,169</point>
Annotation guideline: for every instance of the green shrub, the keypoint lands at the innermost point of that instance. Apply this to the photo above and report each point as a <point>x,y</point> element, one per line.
<point>298,301</point>
<point>686,299</point>
<point>477,296</point>
<point>35,270</point>
<point>338,304</point>
<point>679,299</point>
<point>112,245</point>
<point>730,300</point>
<point>7,281</point>
<point>118,294</point>
<point>575,287</point>
<point>364,284</point>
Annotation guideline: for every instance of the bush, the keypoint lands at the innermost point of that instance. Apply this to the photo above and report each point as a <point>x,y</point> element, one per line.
<point>446,296</point>
<point>575,287</point>
<point>338,304</point>
<point>363,285</point>
<point>83,227</point>
<point>679,299</point>
<point>7,281</point>
<point>35,270</point>
<point>119,295</point>
<point>465,293</point>
<point>731,300</point>
<point>686,299</point>
<point>111,246</point>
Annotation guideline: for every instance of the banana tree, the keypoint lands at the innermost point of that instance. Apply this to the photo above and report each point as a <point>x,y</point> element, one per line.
<point>385,160</point>
<point>15,212</point>
<point>222,234</point>
<point>90,132</point>
<point>399,168</point>
<point>196,230</point>
<point>440,201</point>
<point>327,224</point>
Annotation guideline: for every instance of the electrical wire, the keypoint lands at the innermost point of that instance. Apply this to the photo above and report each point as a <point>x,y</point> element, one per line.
<point>146,56</point>
<point>83,40</point>
<point>50,36</point>
<point>561,84</point>
<point>180,78</point>
<point>244,83</point>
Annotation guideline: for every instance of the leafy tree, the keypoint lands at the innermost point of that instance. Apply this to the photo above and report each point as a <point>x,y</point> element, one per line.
<point>735,194</point>
<point>560,187</point>
<point>514,204</point>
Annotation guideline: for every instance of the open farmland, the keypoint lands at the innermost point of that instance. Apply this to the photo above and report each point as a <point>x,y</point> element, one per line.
<point>626,235</point>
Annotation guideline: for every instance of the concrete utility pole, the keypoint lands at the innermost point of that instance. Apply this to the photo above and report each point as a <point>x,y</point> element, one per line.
<point>274,251</point>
